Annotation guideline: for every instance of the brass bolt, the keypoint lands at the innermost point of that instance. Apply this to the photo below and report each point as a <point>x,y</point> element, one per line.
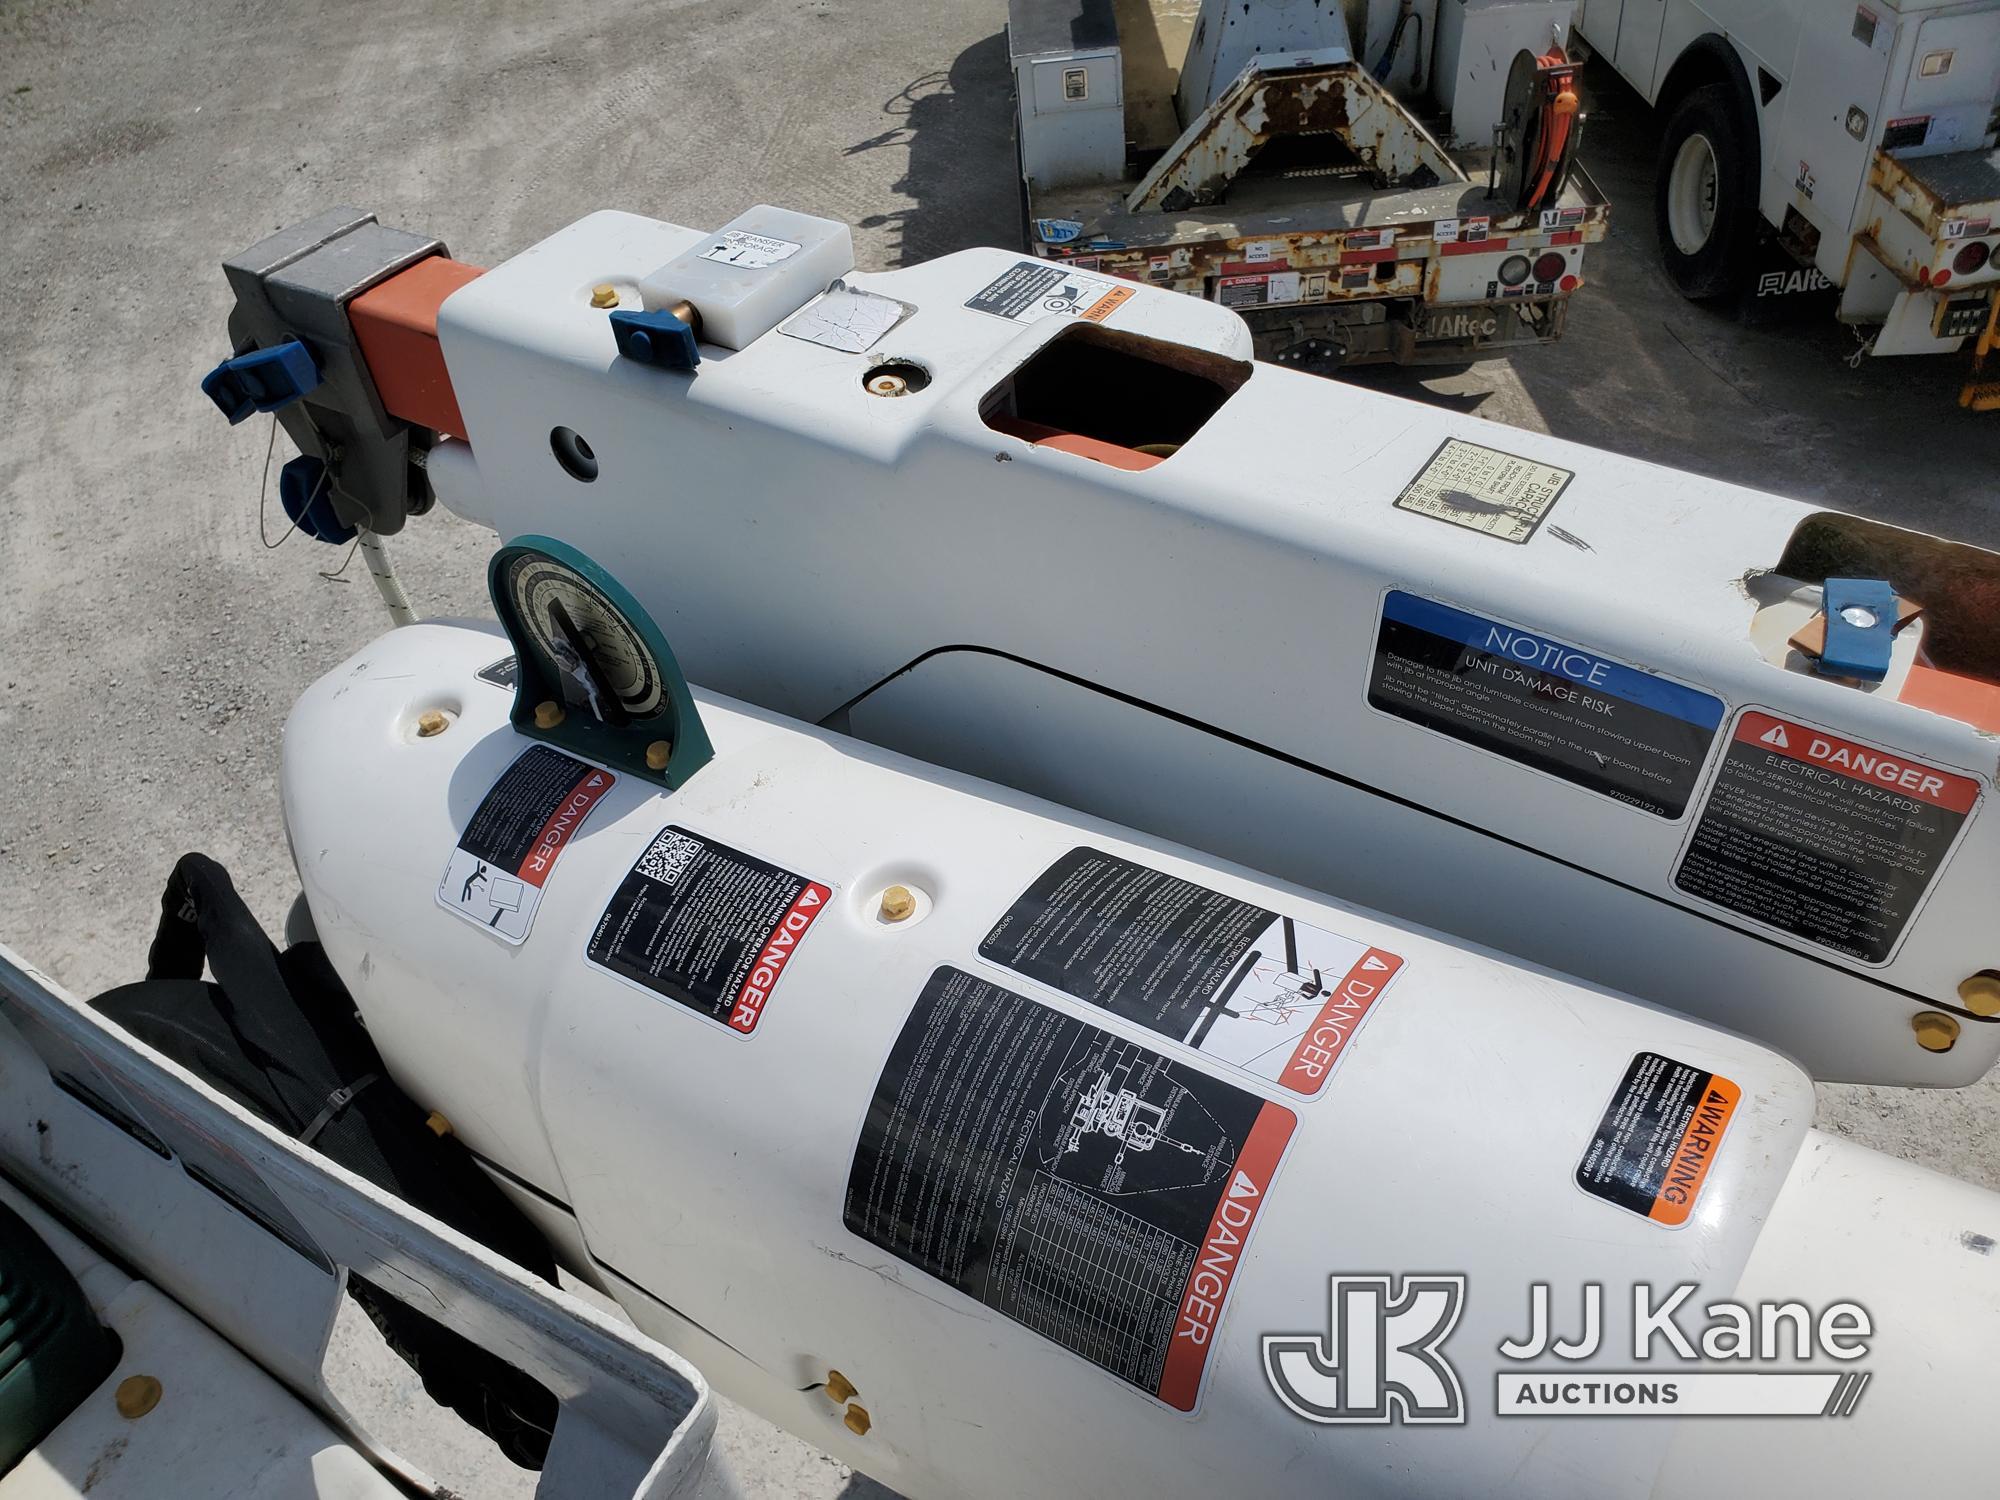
<point>888,385</point>
<point>658,754</point>
<point>1981,994</point>
<point>431,722</point>
<point>548,714</point>
<point>898,904</point>
<point>439,1125</point>
<point>856,1421</point>
<point>1936,1031</point>
<point>138,1394</point>
<point>604,294</point>
<point>839,1389</point>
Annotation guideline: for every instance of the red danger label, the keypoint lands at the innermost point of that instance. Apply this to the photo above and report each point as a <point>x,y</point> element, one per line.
<point>563,824</point>
<point>1347,1005</point>
<point>775,954</point>
<point>1221,1255</point>
<point>1815,747</point>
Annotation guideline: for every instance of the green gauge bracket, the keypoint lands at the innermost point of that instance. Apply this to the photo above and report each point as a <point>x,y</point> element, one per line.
<point>596,675</point>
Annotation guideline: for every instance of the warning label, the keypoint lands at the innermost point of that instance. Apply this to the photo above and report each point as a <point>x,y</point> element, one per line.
<point>504,673</point>
<point>1483,489</point>
<point>1034,289</point>
<point>1589,720</point>
<point>507,852</point>
<point>1081,1185</point>
<point>708,926</point>
<point>1278,998</point>
<point>1658,1138</point>
<point>1823,838</point>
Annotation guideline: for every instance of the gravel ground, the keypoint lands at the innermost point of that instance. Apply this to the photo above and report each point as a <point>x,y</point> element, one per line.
<point>151,644</point>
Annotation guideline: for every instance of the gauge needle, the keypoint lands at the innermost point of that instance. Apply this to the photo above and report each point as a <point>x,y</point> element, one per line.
<point>605,702</point>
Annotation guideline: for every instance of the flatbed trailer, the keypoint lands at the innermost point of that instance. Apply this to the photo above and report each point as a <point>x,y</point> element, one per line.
<point>1304,191</point>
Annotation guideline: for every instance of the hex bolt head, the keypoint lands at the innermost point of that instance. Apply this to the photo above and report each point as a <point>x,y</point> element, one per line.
<point>604,294</point>
<point>839,1389</point>
<point>1980,994</point>
<point>856,1421</point>
<point>136,1395</point>
<point>548,714</point>
<point>898,905</point>
<point>658,754</point>
<point>1936,1031</point>
<point>431,722</point>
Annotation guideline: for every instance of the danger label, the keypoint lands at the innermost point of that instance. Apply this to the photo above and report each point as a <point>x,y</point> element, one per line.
<point>1620,731</point>
<point>1280,999</point>
<point>1823,838</point>
<point>707,926</point>
<point>1082,1185</point>
<point>1485,490</point>
<point>517,833</point>
<point>1034,289</point>
<point>1658,1139</point>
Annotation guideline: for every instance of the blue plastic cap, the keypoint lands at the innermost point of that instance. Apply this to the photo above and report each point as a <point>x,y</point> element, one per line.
<point>262,380</point>
<point>308,500</point>
<point>1860,628</point>
<point>655,338</point>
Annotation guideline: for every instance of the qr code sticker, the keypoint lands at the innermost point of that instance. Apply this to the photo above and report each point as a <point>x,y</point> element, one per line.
<point>670,855</point>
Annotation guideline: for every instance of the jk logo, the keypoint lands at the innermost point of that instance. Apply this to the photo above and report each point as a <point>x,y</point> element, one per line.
<point>1380,1359</point>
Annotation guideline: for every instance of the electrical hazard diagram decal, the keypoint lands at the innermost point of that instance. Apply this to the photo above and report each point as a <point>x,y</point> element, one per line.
<point>1658,1138</point>
<point>707,926</point>
<point>1823,838</point>
<point>1091,1190</point>
<point>1278,998</point>
<point>520,828</point>
<point>1627,734</point>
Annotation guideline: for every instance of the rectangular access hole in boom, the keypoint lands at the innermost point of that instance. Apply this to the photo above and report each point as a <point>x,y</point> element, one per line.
<point>1115,397</point>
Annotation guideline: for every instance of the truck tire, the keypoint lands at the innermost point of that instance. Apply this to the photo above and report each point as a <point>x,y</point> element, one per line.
<point>1704,194</point>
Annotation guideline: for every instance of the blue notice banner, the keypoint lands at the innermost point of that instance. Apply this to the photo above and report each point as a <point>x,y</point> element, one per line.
<point>1601,724</point>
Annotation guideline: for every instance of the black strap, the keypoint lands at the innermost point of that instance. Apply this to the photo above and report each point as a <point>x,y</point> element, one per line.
<point>336,1101</point>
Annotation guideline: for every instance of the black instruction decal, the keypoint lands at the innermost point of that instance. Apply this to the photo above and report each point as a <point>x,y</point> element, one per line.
<point>706,925</point>
<point>1080,1184</point>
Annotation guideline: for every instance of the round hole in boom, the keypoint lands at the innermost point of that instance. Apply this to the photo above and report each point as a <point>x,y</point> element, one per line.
<point>573,453</point>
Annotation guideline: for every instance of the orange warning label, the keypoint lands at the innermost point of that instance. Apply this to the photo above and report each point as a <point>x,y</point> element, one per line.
<point>1106,305</point>
<point>1658,1139</point>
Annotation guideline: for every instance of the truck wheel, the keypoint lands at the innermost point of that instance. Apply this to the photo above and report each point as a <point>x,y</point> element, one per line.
<point>1704,194</point>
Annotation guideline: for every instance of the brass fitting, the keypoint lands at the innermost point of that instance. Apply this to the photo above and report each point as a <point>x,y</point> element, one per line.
<point>898,905</point>
<point>138,1394</point>
<point>658,754</point>
<point>548,714</point>
<point>856,1421</point>
<point>1936,1031</point>
<point>839,1389</point>
<point>1980,994</point>
<point>431,722</point>
<point>604,294</point>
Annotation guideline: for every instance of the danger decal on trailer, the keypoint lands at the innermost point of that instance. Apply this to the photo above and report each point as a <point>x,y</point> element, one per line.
<point>1823,838</point>
<point>1091,1190</point>
<point>706,925</point>
<point>1485,490</point>
<point>518,832</point>
<point>1658,1139</point>
<point>1278,998</point>
<point>1033,289</point>
<point>1615,729</point>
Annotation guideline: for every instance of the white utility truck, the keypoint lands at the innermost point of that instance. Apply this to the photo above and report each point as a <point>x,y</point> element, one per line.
<point>1861,137</point>
<point>1365,181</point>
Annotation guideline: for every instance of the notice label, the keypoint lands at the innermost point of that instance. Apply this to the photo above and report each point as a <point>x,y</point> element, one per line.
<point>518,832</point>
<point>1589,720</point>
<point>755,252</point>
<point>706,925</point>
<point>1278,998</point>
<point>1823,838</point>
<point>1658,1138</point>
<point>1079,1184</point>
<point>1033,289</point>
<point>1483,489</point>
